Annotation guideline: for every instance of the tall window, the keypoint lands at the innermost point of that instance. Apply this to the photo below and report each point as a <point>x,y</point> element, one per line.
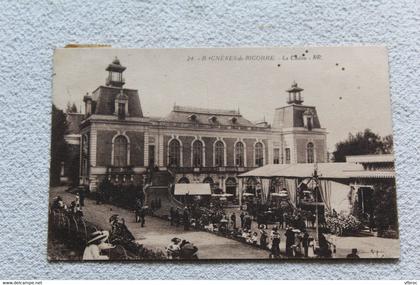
<point>310,153</point>
<point>120,151</point>
<point>121,110</point>
<point>85,155</point>
<point>259,156</point>
<point>276,159</point>
<point>287,154</point>
<point>219,154</point>
<point>197,154</point>
<point>239,154</point>
<point>174,158</point>
<point>309,123</point>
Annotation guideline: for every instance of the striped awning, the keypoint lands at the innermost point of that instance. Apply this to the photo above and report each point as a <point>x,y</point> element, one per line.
<point>302,170</point>
<point>371,174</point>
<point>337,170</point>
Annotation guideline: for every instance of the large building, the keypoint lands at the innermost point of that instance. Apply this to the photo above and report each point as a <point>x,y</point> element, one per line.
<point>195,144</point>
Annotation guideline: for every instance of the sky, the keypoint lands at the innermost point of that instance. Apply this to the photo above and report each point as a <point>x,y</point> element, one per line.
<point>349,86</point>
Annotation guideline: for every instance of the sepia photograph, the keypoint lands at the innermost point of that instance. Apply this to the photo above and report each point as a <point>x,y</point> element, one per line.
<point>222,153</point>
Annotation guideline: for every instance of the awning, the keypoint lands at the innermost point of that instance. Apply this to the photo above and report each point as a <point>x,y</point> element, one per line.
<point>370,158</point>
<point>371,174</point>
<point>192,189</point>
<point>302,170</point>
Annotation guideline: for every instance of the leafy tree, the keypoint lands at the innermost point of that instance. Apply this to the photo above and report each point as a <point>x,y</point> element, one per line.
<point>385,213</point>
<point>388,144</point>
<point>71,108</point>
<point>73,162</point>
<point>361,143</point>
<point>58,144</point>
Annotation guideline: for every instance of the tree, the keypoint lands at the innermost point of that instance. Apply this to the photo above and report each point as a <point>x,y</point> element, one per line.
<point>58,144</point>
<point>71,108</point>
<point>385,213</point>
<point>361,143</point>
<point>388,144</point>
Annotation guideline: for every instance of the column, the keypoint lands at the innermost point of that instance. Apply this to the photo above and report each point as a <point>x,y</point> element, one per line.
<point>160,150</point>
<point>92,145</point>
<point>240,185</point>
<point>146,148</point>
<point>224,184</point>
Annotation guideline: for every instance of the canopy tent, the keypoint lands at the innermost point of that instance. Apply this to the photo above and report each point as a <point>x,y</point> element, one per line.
<point>333,180</point>
<point>192,189</point>
<point>303,170</point>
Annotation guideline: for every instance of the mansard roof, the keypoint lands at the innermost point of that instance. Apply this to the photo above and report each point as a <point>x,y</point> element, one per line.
<point>104,101</point>
<point>186,114</point>
<point>291,116</point>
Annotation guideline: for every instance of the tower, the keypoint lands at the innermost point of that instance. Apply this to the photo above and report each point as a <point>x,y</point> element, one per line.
<point>115,78</point>
<point>301,136</point>
<point>294,94</point>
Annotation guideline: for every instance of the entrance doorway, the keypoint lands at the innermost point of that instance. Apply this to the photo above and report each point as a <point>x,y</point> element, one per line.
<point>231,186</point>
<point>365,200</point>
<point>151,155</point>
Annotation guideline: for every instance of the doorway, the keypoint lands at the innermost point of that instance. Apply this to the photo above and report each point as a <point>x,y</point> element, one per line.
<point>151,155</point>
<point>365,200</point>
<point>231,186</point>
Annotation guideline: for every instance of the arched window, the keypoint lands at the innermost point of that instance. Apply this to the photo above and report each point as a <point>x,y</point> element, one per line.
<point>197,154</point>
<point>259,156</point>
<point>231,186</point>
<point>174,158</point>
<point>239,154</point>
<point>210,181</point>
<point>219,154</point>
<point>251,184</point>
<point>183,180</point>
<point>310,153</point>
<point>120,151</point>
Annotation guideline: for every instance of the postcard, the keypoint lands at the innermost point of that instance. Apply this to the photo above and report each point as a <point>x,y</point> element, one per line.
<point>222,153</point>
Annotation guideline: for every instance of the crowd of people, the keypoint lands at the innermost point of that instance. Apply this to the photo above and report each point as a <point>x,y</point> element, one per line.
<point>258,226</point>
<point>74,209</point>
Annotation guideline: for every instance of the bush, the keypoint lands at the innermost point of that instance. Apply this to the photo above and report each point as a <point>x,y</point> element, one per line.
<point>341,224</point>
<point>120,195</point>
<point>385,213</point>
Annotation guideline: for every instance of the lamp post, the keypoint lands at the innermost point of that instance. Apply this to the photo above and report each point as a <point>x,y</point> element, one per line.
<point>315,177</point>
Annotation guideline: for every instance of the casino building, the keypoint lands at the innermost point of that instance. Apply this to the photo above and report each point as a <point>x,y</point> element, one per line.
<point>116,142</point>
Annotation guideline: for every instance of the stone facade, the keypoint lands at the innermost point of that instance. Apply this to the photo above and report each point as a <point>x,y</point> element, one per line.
<point>195,144</point>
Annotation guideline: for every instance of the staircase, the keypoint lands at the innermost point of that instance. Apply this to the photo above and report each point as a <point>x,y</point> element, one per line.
<point>160,189</point>
<point>161,178</point>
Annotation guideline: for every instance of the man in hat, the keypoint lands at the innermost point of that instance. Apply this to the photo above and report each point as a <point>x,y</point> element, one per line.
<point>177,217</point>
<point>290,240</point>
<point>95,245</point>
<point>233,220</point>
<point>142,214</point>
<point>242,216</point>
<point>275,242</point>
<point>353,254</point>
<point>171,215</point>
<point>305,243</point>
<point>186,219</point>
<point>82,196</point>
<point>263,237</point>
